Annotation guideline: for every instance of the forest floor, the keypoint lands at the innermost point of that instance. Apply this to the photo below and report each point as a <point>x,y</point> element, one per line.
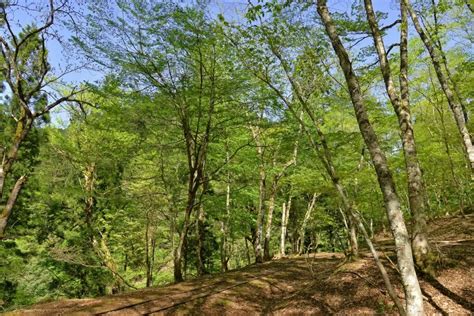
<point>318,284</point>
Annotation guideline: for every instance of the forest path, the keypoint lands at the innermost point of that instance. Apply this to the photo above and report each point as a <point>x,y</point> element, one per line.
<point>318,284</point>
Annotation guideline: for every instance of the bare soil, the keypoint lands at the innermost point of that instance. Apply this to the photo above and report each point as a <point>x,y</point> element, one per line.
<point>316,284</point>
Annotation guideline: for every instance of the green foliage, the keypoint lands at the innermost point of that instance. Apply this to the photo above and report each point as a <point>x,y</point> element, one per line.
<point>164,65</point>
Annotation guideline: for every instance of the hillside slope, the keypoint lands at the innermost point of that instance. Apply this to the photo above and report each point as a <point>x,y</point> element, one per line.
<point>318,284</point>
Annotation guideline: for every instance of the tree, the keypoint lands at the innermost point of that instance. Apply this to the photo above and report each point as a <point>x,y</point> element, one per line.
<point>401,104</point>
<point>414,299</point>
<point>454,103</point>
<point>189,71</point>
<point>25,69</point>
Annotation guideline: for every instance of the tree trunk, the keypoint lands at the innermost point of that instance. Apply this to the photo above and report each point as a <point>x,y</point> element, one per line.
<point>383,272</point>
<point>224,228</point>
<point>23,127</point>
<point>454,104</point>
<point>193,185</point>
<point>178,252</point>
<point>447,149</point>
<point>147,254</point>
<point>196,142</point>
<point>354,244</point>
<point>401,105</point>
<point>260,218</point>
<point>283,230</point>
<point>351,228</point>
<point>307,215</point>
<point>261,197</point>
<point>414,298</point>
<point>268,228</point>
<point>150,246</point>
<point>276,179</point>
<point>224,251</point>
<point>201,267</point>
<point>285,214</point>
<point>9,156</point>
<point>2,179</point>
<point>196,156</point>
<point>321,148</point>
<point>7,210</point>
<point>247,252</point>
<point>444,59</point>
<point>102,250</point>
<point>97,239</point>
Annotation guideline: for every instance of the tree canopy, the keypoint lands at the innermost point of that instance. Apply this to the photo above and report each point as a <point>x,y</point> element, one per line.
<point>213,141</point>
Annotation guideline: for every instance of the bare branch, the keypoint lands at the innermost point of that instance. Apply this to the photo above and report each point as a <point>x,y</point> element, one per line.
<point>390,25</point>
<point>68,98</point>
<point>391,47</point>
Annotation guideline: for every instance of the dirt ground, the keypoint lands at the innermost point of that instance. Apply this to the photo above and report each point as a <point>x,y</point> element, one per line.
<point>319,284</point>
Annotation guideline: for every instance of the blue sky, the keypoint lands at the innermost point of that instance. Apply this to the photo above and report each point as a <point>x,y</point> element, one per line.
<point>62,56</point>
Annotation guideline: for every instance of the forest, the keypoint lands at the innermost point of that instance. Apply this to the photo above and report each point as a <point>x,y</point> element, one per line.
<point>145,143</point>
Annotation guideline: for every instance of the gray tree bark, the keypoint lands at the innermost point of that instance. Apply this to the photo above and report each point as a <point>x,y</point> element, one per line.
<point>400,103</point>
<point>285,215</point>
<point>307,215</point>
<point>273,192</point>
<point>414,298</point>
<point>258,247</point>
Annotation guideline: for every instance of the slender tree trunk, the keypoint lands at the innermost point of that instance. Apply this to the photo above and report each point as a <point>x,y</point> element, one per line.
<point>283,230</point>
<point>147,254</point>
<point>185,258</point>
<point>97,239</point>
<point>102,249</point>
<point>196,152</point>
<point>196,156</point>
<point>201,267</point>
<point>321,148</point>
<point>225,227</point>
<point>414,298</point>
<point>383,272</point>
<point>274,188</point>
<point>285,215</point>
<point>247,252</point>
<point>7,209</point>
<point>401,105</point>
<point>261,196</point>
<point>2,177</point>
<point>307,215</point>
<point>177,260</point>
<point>446,146</point>
<point>353,237</point>
<point>152,265</point>
<point>444,59</point>
<point>351,228</point>
<point>260,217</point>
<point>268,228</point>
<point>150,247</point>
<point>454,104</point>
<point>224,251</point>
<point>23,127</point>
<point>416,189</point>
<point>10,155</point>
<point>178,253</point>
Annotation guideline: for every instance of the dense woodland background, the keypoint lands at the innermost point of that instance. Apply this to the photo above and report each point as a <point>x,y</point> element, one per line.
<point>213,141</point>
